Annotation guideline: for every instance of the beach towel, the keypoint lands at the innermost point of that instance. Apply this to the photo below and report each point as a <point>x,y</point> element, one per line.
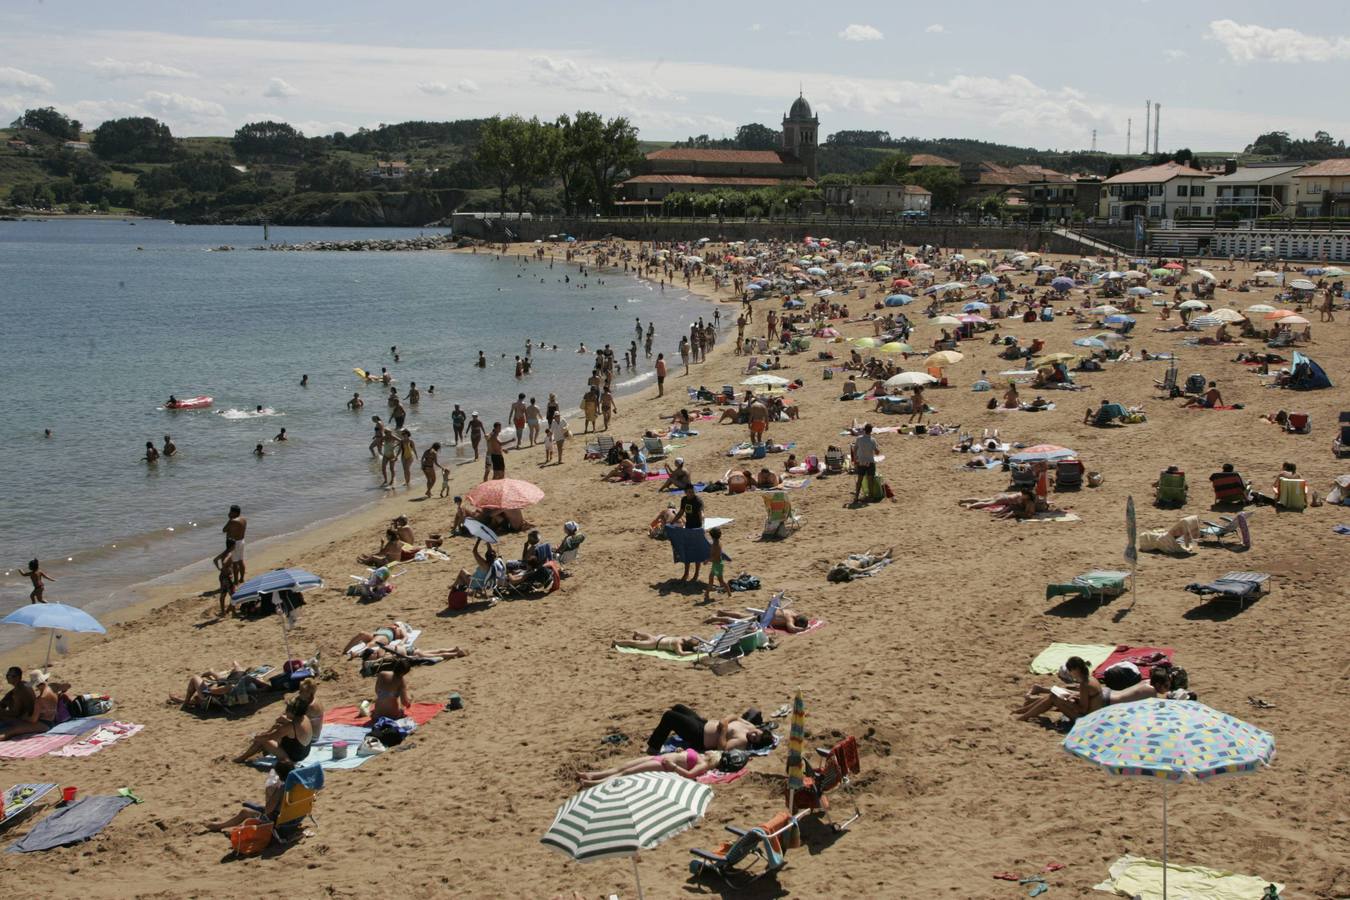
<point>660,654</point>
<point>78,727</point>
<point>72,824</point>
<point>1341,529</point>
<point>716,777</point>
<point>810,627</point>
<point>1057,654</point>
<point>93,743</point>
<point>421,713</point>
<point>1135,876</point>
<point>674,743</point>
<point>322,757</point>
<point>1143,657</point>
<point>352,734</point>
<point>20,798</point>
<point>1054,515</point>
<point>34,746</point>
<point>688,545</point>
<point>792,482</point>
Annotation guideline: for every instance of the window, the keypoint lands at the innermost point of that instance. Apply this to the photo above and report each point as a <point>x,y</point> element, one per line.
<point>1155,190</point>
<point>1197,190</point>
<point>1209,210</point>
<point>1195,210</point>
<point>1314,188</point>
<point>1181,190</point>
<point>1115,211</point>
<point>1154,211</point>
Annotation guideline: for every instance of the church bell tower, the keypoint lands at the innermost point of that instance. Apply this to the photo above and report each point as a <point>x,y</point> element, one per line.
<point>801,132</point>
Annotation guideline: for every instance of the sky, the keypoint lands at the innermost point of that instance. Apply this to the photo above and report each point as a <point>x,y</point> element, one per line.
<point>1039,73</point>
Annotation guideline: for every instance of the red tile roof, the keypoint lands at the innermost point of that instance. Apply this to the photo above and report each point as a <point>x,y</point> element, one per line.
<point>919,160</point>
<point>767,157</point>
<point>1155,174</point>
<point>708,179</point>
<point>1327,168</point>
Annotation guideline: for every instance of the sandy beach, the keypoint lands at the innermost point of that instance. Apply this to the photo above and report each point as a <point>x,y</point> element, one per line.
<point>922,662</point>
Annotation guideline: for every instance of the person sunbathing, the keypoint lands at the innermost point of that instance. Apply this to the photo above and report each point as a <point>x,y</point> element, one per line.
<point>1010,504</point>
<point>1088,697</point>
<point>391,551</point>
<point>200,688</point>
<point>766,479</point>
<point>680,646</point>
<point>678,476</point>
<point>380,637</point>
<point>694,731</point>
<point>624,471</point>
<point>274,790</point>
<point>1157,687</point>
<point>391,691</point>
<point>400,650</point>
<point>663,518</point>
<point>791,621</point>
<point>289,738</point>
<point>688,763</point>
<point>1210,399</point>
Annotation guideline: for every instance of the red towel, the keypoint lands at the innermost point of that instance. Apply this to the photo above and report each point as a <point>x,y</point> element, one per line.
<point>1126,653</point>
<point>421,713</point>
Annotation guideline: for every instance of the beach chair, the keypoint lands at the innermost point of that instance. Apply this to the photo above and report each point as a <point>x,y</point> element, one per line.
<point>600,448</point>
<point>1240,586</point>
<point>765,843</point>
<point>1340,446</point>
<point>839,764</point>
<point>1168,386</point>
<point>1293,494</point>
<point>1230,487</point>
<point>1195,384</point>
<point>1215,532</point>
<point>733,642</point>
<point>1099,584</point>
<point>297,803</point>
<point>653,447</point>
<point>751,366</point>
<point>834,461</point>
<point>1024,476</point>
<point>21,799</point>
<point>780,517</point>
<point>1069,474</point>
<point>1171,489</point>
<point>1298,423</point>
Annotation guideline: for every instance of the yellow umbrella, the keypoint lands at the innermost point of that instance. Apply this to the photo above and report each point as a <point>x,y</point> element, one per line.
<point>866,343</point>
<point>977,262</point>
<point>896,347</point>
<point>944,358</point>
<point>1052,358</point>
<point>945,320</point>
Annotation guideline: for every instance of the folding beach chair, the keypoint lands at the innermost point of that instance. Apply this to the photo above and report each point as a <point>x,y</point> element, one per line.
<point>834,461</point>
<point>20,799</point>
<point>1340,446</point>
<point>600,448</point>
<point>839,764</point>
<point>654,447</point>
<point>1168,386</point>
<point>765,843</point>
<point>1171,489</point>
<point>297,803</point>
<point>1230,487</point>
<point>780,517</point>
<point>1293,494</point>
<point>1069,474</point>
<point>1024,475</point>
<point>752,365</point>
<point>1215,532</point>
<point>733,642</point>
<point>1298,423</point>
<point>1195,384</point>
<point>1099,584</point>
<point>1239,586</point>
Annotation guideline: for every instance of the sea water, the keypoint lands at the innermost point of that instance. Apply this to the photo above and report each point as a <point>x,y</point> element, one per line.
<point>103,320</point>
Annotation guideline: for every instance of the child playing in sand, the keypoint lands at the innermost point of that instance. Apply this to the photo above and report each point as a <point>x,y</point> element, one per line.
<point>38,576</point>
<point>715,569</point>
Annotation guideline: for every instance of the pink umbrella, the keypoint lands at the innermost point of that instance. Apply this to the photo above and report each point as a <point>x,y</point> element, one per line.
<point>1279,314</point>
<point>973,319</point>
<point>902,283</point>
<point>505,493</point>
<point>1004,267</point>
<point>1172,265</point>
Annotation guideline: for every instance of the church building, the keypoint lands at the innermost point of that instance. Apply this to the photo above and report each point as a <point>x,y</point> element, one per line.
<point>690,170</point>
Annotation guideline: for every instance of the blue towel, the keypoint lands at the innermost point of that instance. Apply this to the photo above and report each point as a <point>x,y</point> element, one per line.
<point>1342,529</point>
<point>689,545</point>
<point>72,824</point>
<point>352,734</point>
<point>78,726</point>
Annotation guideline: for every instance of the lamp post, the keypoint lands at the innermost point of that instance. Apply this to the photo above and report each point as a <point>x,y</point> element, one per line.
<point>852,210</point>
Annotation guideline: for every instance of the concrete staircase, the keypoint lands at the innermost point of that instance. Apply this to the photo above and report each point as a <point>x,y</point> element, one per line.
<point>1090,243</point>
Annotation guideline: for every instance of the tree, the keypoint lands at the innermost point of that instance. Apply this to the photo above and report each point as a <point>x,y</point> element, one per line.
<point>860,138</point>
<point>609,148</point>
<point>268,139</point>
<point>134,139</point>
<point>494,153</point>
<point>335,175</point>
<point>569,164</point>
<point>943,183</point>
<point>892,169</point>
<point>49,121</point>
<point>757,137</point>
<point>532,156</point>
<point>1184,156</point>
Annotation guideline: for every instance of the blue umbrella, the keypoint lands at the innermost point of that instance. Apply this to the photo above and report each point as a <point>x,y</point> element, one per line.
<point>899,300</point>
<point>55,617</point>
<point>986,280</point>
<point>1140,292</point>
<point>975,306</point>
<point>1119,320</point>
<point>1062,283</point>
<point>1090,342</point>
<point>297,580</point>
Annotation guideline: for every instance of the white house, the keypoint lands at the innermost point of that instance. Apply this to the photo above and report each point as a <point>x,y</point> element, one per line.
<point>1255,191</point>
<point>1158,192</point>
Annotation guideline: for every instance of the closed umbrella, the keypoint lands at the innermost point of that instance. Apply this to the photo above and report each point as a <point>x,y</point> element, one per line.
<point>909,379</point>
<point>944,358</point>
<point>796,766</point>
<point>626,814</point>
<point>765,381</point>
<point>1043,453</point>
<point>1169,741</point>
<point>54,617</point>
<point>505,493</point>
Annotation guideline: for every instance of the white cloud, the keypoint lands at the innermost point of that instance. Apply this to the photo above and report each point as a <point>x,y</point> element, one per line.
<point>1174,54</point>
<point>27,82</point>
<point>435,88</point>
<point>1256,43</point>
<point>120,68</point>
<point>181,106</point>
<point>279,88</point>
<point>935,29</point>
<point>756,27</point>
<point>467,86</point>
<point>861,33</point>
<point>567,73</point>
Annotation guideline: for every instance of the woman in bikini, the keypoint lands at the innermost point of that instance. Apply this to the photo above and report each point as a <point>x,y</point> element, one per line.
<point>390,552</point>
<point>43,716</point>
<point>380,637</point>
<point>1091,695</point>
<point>391,691</point>
<point>289,739</point>
<point>688,762</point>
<point>680,646</point>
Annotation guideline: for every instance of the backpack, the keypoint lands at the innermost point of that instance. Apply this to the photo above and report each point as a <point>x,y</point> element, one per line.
<point>1121,676</point>
<point>874,489</point>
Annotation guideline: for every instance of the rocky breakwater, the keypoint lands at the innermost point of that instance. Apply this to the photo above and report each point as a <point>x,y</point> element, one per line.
<point>423,242</point>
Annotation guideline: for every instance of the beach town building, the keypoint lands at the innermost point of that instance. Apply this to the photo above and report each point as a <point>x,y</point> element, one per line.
<point>929,160</point>
<point>873,200</point>
<point>693,170</point>
<point>1323,189</point>
<point>1157,192</point>
<point>1027,190</point>
<point>1250,192</point>
<point>393,169</point>
<point>77,146</point>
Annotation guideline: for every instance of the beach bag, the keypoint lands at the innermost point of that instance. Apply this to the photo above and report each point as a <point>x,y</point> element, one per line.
<point>744,582</point>
<point>1180,680</point>
<point>1121,676</point>
<point>251,838</point>
<point>389,732</point>
<point>874,489</point>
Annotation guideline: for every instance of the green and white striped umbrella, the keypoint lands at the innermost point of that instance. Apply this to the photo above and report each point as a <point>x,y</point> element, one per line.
<point>627,814</point>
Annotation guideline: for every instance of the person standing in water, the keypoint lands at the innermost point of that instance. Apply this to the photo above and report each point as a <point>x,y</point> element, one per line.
<point>517,417</point>
<point>532,416</point>
<point>356,402</point>
<point>304,381</point>
<point>457,418</point>
<point>151,454</point>
<point>408,450</point>
<point>170,448</point>
<point>482,360</point>
<point>475,432</point>
<point>430,462</point>
<point>496,454</point>
<point>232,557</point>
<point>37,576</point>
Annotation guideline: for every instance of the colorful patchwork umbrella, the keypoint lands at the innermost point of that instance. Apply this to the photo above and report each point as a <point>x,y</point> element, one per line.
<point>1170,741</point>
<point>626,814</point>
<point>796,768</point>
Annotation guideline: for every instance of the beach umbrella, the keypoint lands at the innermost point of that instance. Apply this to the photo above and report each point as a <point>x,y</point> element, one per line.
<point>826,332</point>
<point>1140,292</point>
<point>1044,269</point>
<point>1112,276</point>
<point>1267,249</point>
<point>1260,308</point>
<point>621,816</point>
<point>983,264</point>
<point>920,267</point>
<point>796,766</point>
<point>1228,315</point>
<point>765,381</point>
<point>1051,358</point>
<point>1278,314</point>
<point>1160,273</point>
<point>899,300</point>
<point>865,343</point>
<point>975,306</point>
<point>1062,284</point>
<point>1193,304</point>
<point>1169,741</point>
<point>1204,273</point>
<point>1105,309</point>
<point>1176,266</point>
<point>1109,336</point>
<point>480,531</point>
<point>909,379</point>
<point>1294,320</point>
<point>1004,267</point>
<point>274,582</point>
<point>902,283</point>
<point>944,358</point>
<point>1119,320</point>
<point>972,319</point>
<point>1333,271</point>
<point>825,293</point>
<point>1266,273</point>
<point>1205,321</point>
<point>1043,453</point>
<point>54,617</point>
<point>882,268</point>
<point>1096,343</point>
<point>895,347</point>
<point>1302,284</point>
<point>1133,275</point>
<point>986,280</point>
<point>815,270</point>
<point>945,320</point>
<point>505,493</point>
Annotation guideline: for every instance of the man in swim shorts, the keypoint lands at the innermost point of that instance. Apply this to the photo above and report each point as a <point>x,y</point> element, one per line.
<point>758,415</point>
<point>496,461</point>
<point>236,526</point>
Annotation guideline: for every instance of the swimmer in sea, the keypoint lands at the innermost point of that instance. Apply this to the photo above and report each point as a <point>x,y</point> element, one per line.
<point>151,454</point>
<point>582,348</point>
<point>482,360</point>
<point>356,402</point>
<point>259,451</point>
<point>258,409</point>
<point>281,436</point>
<point>169,447</point>
<point>304,381</point>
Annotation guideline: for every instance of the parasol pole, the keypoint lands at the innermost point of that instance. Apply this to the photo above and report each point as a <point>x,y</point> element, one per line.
<point>638,878</point>
<point>1164,859</point>
<point>51,639</point>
